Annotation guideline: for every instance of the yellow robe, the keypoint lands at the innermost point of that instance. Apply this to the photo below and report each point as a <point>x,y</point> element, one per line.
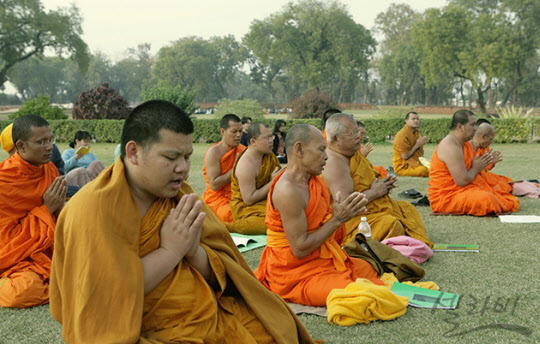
<point>97,279</point>
<point>386,217</point>
<point>250,219</point>
<point>403,142</point>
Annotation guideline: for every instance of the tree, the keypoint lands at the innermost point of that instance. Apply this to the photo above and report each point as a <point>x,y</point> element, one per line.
<point>229,56</point>
<point>98,72</point>
<point>28,30</point>
<point>129,74</point>
<point>313,43</point>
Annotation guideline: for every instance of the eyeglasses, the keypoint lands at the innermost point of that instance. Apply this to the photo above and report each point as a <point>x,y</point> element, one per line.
<point>354,133</point>
<point>44,143</point>
<point>270,138</point>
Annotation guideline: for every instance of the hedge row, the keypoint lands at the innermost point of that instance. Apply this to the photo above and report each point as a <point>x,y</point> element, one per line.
<point>377,130</point>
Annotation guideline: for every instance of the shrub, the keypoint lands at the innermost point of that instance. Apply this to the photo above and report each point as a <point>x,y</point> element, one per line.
<point>241,108</point>
<point>513,112</point>
<point>102,102</point>
<point>183,98</point>
<point>312,104</point>
<point>40,106</point>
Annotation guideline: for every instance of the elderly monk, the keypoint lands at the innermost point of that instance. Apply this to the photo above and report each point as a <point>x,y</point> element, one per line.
<point>303,260</point>
<point>32,196</point>
<point>218,164</point>
<point>156,265</point>
<point>349,171</point>
<point>252,175</point>
<point>457,183</point>
<point>480,143</point>
<point>408,149</point>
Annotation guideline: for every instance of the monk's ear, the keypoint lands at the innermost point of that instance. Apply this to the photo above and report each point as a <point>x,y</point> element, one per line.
<point>299,148</point>
<point>132,152</point>
<point>222,131</point>
<point>20,145</point>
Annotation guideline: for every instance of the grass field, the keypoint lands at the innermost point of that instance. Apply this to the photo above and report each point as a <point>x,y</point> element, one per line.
<point>498,286</point>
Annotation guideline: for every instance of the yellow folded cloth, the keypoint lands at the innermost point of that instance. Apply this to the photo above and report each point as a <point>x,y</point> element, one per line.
<point>425,162</point>
<point>389,279</point>
<point>362,302</point>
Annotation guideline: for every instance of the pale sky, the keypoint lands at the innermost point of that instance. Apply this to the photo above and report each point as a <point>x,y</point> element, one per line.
<point>112,26</point>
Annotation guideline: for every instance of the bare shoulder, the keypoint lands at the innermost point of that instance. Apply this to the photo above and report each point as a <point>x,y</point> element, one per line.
<point>214,154</point>
<point>336,168</point>
<point>246,166</point>
<point>449,149</point>
<point>288,194</point>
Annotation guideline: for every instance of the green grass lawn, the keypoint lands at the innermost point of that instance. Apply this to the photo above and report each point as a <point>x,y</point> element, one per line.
<point>498,286</point>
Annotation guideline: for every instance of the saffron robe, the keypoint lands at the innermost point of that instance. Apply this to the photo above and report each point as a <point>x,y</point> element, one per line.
<point>478,198</point>
<point>495,180</point>
<point>26,232</point>
<point>97,281</point>
<point>379,169</point>
<point>309,280</point>
<point>219,200</point>
<point>386,217</point>
<point>403,142</point>
<point>250,219</point>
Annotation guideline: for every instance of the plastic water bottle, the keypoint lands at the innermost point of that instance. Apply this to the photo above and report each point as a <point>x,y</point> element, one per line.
<point>364,228</point>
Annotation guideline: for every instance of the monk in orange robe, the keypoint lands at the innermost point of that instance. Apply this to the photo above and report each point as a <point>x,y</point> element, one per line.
<point>32,196</point>
<point>218,164</point>
<point>481,145</point>
<point>457,181</point>
<point>350,171</point>
<point>409,148</point>
<point>252,175</point>
<point>157,266</point>
<point>303,260</point>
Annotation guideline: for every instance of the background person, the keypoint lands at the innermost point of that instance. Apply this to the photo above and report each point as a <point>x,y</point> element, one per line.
<point>279,141</point>
<point>81,168</point>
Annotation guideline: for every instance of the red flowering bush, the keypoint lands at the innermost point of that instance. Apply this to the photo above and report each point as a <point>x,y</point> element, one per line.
<point>102,102</point>
<point>312,104</point>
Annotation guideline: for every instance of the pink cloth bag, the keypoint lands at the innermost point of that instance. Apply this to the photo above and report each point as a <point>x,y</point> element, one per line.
<point>526,189</point>
<point>411,248</point>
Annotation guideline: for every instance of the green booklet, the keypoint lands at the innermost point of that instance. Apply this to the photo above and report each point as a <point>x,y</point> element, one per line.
<point>455,248</point>
<point>426,298</point>
<point>248,242</point>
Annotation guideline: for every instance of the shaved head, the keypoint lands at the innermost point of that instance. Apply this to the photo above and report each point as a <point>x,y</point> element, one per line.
<point>485,129</point>
<point>299,133</point>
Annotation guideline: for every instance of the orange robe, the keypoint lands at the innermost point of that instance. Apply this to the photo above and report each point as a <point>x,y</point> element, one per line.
<point>309,280</point>
<point>403,142</point>
<point>250,219</point>
<point>26,232</point>
<point>478,198</point>
<point>97,280</point>
<point>383,172</point>
<point>219,200</point>
<point>495,180</point>
<point>386,217</point>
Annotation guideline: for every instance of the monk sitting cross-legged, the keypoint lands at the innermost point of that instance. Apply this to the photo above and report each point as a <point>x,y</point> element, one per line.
<point>303,260</point>
<point>32,195</point>
<point>218,164</point>
<point>349,171</point>
<point>480,143</point>
<point>156,265</point>
<point>252,175</point>
<point>457,182</point>
<point>408,149</point>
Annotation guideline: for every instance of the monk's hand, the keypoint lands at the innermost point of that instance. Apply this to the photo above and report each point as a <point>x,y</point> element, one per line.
<point>55,196</point>
<point>382,186</point>
<point>480,163</point>
<point>366,149</point>
<point>352,206</point>
<point>181,231</point>
<point>421,141</point>
<point>496,156</point>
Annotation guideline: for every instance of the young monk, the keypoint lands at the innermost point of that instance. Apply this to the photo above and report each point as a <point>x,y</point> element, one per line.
<point>218,165</point>
<point>349,171</point>
<point>252,175</point>
<point>31,198</point>
<point>457,183</point>
<point>156,265</point>
<point>303,260</point>
<point>409,148</point>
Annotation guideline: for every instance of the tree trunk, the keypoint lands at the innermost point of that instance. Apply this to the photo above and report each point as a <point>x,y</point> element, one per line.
<point>491,99</point>
<point>481,101</point>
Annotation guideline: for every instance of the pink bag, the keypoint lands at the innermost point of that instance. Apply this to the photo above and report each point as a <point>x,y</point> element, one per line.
<point>525,189</point>
<point>411,248</point>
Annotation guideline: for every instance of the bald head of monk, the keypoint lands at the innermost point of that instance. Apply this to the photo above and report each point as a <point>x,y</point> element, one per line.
<point>260,138</point>
<point>231,130</point>
<point>463,125</point>
<point>33,138</point>
<point>343,134</point>
<point>483,136</point>
<point>156,148</point>
<point>308,149</point>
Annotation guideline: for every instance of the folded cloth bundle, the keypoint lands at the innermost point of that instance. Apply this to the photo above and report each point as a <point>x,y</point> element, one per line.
<point>362,302</point>
<point>411,193</point>
<point>526,189</point>
<point>411,248</point>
